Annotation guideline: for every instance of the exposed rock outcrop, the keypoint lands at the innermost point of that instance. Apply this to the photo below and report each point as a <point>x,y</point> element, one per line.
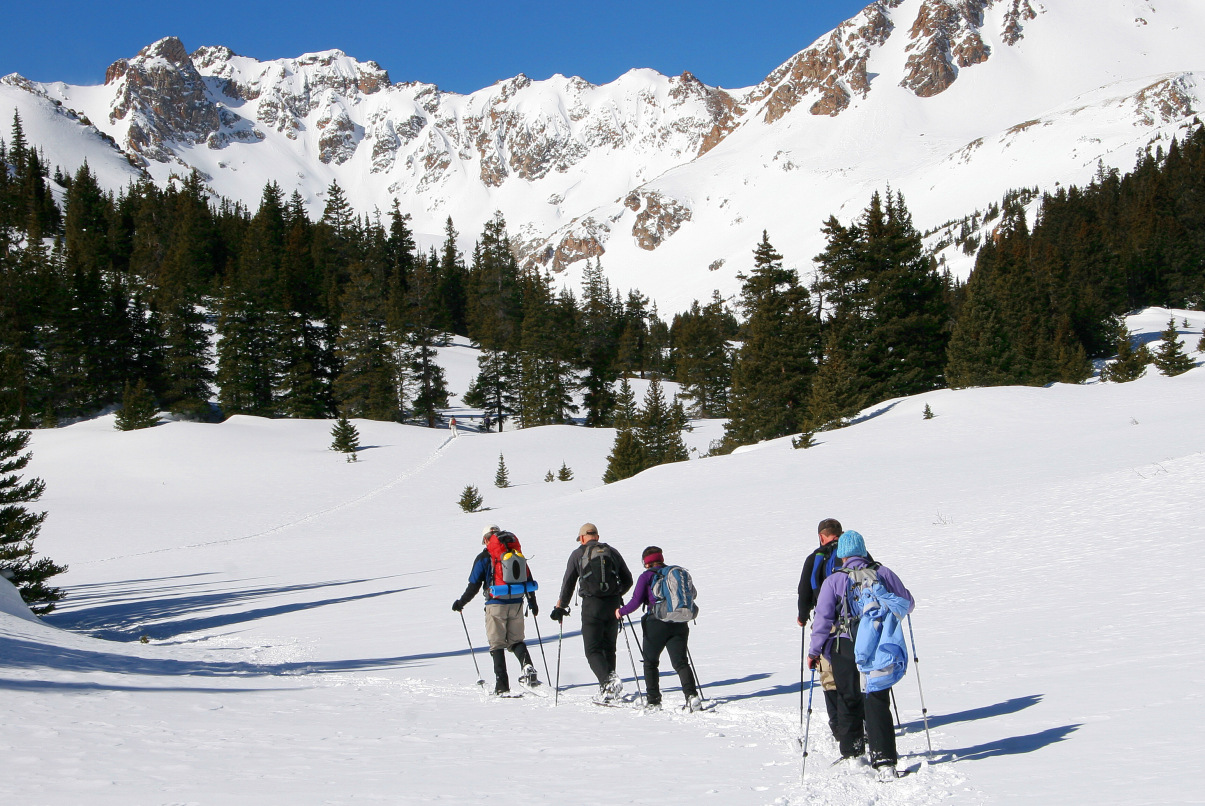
<point>164,98</point>
<point>944,38</point>
<point>657,217</point>
<point>834,68</point>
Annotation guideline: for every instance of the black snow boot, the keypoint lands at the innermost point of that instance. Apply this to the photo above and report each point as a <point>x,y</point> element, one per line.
<point>528,676</point>
<point>503,684</point>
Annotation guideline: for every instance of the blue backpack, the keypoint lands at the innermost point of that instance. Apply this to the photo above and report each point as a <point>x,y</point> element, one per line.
<point>871,614</point>
<point>674,594</point>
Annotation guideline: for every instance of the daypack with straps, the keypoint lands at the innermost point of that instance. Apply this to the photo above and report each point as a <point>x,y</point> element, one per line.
<point>674,594</point>
<point>511,575</point>
<point>827,566</point>
<point>871,614</point>
<point>598,571</point>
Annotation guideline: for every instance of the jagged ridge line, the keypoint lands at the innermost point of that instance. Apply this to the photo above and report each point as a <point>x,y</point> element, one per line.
<point>437,453</point>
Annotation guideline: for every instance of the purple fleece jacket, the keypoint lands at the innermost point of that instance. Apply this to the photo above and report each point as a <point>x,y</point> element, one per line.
<point>642,594</point>
<point>832,592</point>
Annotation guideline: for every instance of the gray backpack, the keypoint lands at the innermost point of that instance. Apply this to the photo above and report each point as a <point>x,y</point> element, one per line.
<point>674,594</point>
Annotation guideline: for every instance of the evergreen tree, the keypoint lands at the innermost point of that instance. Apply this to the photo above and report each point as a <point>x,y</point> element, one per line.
<point>626,413</point>
<point>599,326</point>
<point>187,359</point>
<point>805,440</point>
<point>470,499</point>
<point>502,477</point>
<point>546,376</point>
<point>138,409</point>
<point>495,304</point>
<point>772,372</point>
<point>657,429</point>
<point>564,474</point>
<point>346,438</point>
<point>368,383</point>
<point>1130,364</point>
<point>928,413</point>
<point>1170,357</point>
<point>549,477</point>
<point>19,527</point>
<point>626,459</point>
<point>701,358</point>
<point>494,387</point>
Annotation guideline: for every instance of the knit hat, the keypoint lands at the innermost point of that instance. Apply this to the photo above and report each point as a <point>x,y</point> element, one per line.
<point>851,544</point>
<point>493,527</point>
<point>587,529</point>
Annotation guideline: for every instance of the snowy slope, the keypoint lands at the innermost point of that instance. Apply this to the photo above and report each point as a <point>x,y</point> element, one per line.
<point>668,181</point>
<point>301,649</point>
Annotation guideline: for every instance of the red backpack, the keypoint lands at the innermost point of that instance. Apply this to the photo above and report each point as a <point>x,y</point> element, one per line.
<point>511,575</point>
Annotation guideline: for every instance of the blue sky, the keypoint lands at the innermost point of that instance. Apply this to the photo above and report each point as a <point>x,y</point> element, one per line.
<point>459,45</point>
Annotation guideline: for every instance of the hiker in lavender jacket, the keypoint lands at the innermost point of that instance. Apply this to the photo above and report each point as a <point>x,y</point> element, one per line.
<point>880,730</point>
<point>659,635</point>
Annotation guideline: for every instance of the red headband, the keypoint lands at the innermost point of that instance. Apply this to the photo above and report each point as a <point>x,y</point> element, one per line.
<point>655,557</point>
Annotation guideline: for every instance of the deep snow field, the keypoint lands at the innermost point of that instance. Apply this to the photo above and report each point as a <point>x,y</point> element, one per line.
<point>302,650</point>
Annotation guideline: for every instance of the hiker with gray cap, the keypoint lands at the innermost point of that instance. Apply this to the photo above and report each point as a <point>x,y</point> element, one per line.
<point>604,579</point>
<point>503,555</point>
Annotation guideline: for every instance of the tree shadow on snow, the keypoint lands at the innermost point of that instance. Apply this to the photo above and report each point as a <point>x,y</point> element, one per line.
<point>167,611</point>
<point>999,709</point>
<point>1014,745</point>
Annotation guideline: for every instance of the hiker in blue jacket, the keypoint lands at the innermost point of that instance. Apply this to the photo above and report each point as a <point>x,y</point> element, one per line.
<point>852,706</point>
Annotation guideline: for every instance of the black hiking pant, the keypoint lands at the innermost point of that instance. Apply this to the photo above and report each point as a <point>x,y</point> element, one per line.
<point>600,629</point>
<point>659,635</point>
<point>854,708</point>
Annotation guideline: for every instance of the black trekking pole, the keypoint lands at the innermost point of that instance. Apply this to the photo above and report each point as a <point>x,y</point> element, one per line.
<point>803,767</point>
<point>557,697</point>
<point>923,710</point>
<point>637,637</point>
<point>690,659</point>
<point>463,623</point>
<point>632,657</point>
<point>896,708</point>
<point>536,621</point>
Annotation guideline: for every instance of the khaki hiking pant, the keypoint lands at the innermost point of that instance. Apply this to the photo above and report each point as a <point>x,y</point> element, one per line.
<point>826,675</point>
<point>504,625</point>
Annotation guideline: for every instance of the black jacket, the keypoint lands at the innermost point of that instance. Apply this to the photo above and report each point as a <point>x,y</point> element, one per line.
<point>808,594</point>
<point>570,580</point>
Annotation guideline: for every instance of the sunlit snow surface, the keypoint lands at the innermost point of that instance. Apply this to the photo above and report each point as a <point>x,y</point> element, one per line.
<point>302,650</point>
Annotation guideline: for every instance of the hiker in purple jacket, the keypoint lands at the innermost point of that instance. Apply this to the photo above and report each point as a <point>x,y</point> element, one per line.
<point>659,635</point>
<point>853,707</point>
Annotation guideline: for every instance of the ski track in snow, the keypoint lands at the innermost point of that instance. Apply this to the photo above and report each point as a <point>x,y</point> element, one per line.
<point>436,454</point>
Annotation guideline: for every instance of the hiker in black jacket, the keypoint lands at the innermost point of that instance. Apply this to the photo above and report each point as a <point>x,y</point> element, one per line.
<point>605,578</point>
<point>819,564</point>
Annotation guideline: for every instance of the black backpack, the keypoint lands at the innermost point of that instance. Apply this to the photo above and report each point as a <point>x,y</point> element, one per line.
<point>598,571</point>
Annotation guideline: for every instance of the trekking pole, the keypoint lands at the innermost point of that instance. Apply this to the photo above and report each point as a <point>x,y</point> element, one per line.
<point>803,768</point>
<point>637,637</point>
<point>463,623</point>
<point>695,672</point>
<point>896,708</point>
<point>536,621</point>
<point>632,657</point>
<point>557,697</point>
<point>924,712</point>
<point>803,665</point>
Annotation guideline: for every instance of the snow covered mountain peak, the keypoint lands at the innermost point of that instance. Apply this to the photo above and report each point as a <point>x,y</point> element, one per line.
<point>667,180</point>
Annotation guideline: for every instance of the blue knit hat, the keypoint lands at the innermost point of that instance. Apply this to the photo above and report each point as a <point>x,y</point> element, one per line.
<point>851,544</point>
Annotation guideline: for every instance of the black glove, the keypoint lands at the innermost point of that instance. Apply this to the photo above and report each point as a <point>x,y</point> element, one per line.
<point>558,613</point>
<point>813,661</point>
<point>535,608</point>
<point>457,606</point>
